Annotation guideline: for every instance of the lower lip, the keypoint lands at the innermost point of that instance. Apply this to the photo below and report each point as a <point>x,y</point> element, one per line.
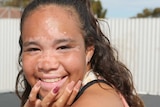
<point>49,85</point>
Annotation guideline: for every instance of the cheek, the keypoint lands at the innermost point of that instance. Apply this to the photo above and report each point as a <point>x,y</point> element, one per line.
<point>28,66</point>
<point>76,64</point>
<point>27,63</point>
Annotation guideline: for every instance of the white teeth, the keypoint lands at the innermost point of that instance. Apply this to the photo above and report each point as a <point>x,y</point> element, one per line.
<point>51,80</point>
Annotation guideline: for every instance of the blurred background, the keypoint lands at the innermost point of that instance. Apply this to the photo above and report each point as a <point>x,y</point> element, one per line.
<point>133,26</point>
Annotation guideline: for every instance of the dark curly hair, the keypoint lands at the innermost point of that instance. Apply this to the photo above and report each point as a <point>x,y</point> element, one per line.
<point>104,61</point>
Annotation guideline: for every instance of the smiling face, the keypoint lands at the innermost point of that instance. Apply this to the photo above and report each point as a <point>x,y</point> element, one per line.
<point>53,48</point>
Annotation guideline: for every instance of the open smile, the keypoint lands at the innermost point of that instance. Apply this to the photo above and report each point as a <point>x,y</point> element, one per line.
<point>50,83</point>
<point>51,80</point>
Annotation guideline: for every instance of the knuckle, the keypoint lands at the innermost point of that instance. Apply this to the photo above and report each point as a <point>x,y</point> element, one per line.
<point>45,104</point>
<point>60,101</point>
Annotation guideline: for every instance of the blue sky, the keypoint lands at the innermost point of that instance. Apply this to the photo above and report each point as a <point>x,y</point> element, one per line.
<point>127,8</point>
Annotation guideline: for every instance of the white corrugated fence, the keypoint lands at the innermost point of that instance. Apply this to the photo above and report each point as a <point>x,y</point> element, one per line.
<point>9,33</point>
<point>137,41</point>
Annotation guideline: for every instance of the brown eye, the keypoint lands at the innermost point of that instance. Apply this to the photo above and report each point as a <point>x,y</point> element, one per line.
<point>33,49</point>
<point>63,47</point>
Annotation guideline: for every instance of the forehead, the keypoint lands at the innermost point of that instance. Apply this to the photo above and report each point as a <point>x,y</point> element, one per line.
<point>57,10</point>
<point>49,19</point>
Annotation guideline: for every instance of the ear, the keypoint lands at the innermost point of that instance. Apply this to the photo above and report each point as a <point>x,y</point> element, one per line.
<point>89,53</point>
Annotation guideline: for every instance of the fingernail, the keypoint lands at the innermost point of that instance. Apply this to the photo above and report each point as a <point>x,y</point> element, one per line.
<point>70,86</point>
<point>55,90</point>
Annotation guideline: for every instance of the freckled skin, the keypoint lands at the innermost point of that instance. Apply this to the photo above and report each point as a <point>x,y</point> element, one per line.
<point>53,46</point>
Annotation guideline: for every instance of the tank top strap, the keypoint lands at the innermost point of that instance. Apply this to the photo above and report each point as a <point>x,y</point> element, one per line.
<point>97,81</point>
<point>86,86</point>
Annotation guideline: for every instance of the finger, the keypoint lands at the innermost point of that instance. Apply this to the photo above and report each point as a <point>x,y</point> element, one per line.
<point>62,101</point>
<point>34,92</point>
<point>27,104</point>
<point>74,92</point>
<point>49,97</point>
<point>35,104</point>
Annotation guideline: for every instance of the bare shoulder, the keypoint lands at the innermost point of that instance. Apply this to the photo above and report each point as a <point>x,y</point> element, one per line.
<point>99,96</point>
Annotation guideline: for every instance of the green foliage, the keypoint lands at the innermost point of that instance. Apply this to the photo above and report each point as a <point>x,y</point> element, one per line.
<point>17,3</point>
<point>156,12</point>
<point>95,5</point>
<point>98,9</point>
<point>149,13</point>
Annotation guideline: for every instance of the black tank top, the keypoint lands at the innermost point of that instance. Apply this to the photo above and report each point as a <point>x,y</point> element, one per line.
<point>86,86</point>
<point>93,82</point>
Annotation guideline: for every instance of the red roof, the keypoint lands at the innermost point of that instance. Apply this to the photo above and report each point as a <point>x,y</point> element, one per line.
<point>10,12</point>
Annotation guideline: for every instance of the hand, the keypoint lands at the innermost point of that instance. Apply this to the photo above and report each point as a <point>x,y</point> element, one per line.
<point>65,100</point>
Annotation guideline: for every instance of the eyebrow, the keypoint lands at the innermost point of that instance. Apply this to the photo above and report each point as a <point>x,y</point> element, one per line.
<point>64,40</point>
<point>58,41</point>
<point>30,43</point>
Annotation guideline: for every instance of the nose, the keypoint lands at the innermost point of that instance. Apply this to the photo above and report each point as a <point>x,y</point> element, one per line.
<point>47,63</point>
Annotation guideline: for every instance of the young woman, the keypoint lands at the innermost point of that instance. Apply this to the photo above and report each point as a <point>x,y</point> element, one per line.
<point>67,61</point>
